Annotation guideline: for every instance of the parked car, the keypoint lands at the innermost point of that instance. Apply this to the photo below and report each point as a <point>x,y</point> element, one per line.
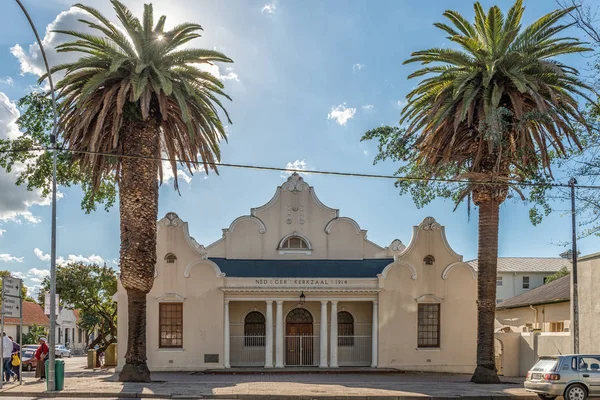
<point>28,361</point>
<point>62,351</point>
<point>573,376</point>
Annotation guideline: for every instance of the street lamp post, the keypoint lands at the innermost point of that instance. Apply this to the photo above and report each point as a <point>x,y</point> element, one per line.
<point>52,335</point>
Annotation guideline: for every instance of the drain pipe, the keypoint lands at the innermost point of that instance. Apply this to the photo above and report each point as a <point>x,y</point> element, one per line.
<point>535,320</point>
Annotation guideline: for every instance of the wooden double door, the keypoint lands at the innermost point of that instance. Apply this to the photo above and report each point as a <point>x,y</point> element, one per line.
<point>299,344</point>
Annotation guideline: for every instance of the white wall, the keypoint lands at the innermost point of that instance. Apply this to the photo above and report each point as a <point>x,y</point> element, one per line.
<point>519,351</point>
<point>512,283</point>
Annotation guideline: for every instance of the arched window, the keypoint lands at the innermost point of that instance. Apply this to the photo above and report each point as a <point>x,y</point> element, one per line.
<point>295,242</point>
<point>170,258</point>
<point>254,329</point>
<point>345,328</point>
<point>299,316</point>
<point>429,259</point>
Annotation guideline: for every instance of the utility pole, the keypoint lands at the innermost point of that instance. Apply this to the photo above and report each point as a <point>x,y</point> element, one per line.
<point>52,335</point>
<point>575,299</point>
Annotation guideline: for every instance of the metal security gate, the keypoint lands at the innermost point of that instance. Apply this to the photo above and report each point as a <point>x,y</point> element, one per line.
<point>354,351</point>
<point>247,351</point>
<point>301,350</point>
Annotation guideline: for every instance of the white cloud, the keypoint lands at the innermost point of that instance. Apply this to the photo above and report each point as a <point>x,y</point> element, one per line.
<point>71,258</point>
<point>18,274</point>
<point>299,166</point>
<point>15,201</point>
<point>231,75</point>
<point>38,273</point>
<point>8,258</point>
<point>269,8</point>
<point>401,103</point>
<point>7,81</point>
<point>169,176</point>
<point>2,231</point>
<point>368,107</point>
<point>33,291</point>
<point>93,259</point>
<point>366,152</point>
<point>40,254</point>
<point>213,69</point>
<point>36,280</point>
<point>357,67</point>
<point>31,60</point>
<point>341,114</point>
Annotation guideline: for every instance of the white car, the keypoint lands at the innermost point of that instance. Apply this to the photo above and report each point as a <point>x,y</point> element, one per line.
<point>62,351</point>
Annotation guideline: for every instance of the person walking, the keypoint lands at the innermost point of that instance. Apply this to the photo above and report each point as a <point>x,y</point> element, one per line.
<point>40,356</point>
<point>16,360</point>
<point>7,348</point>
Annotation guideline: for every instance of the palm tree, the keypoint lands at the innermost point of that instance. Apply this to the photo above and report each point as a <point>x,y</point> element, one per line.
<point>133,96</point>
<point>494,108</point>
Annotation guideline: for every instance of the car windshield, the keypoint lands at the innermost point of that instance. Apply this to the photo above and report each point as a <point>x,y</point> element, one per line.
<point>545,364</point>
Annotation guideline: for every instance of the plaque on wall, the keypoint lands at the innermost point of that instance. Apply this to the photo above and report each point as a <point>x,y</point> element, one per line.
<point>211,358</point>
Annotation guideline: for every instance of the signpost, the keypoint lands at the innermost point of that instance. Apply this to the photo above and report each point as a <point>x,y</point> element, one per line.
<point>12,308</point>
<point>47,304</point>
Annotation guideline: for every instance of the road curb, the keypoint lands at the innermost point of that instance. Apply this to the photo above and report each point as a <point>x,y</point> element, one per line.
<point>79,395</point>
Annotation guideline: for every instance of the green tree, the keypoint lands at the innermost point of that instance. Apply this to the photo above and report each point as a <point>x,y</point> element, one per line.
<point>493,112</point>
<point>132,96</point>
<point>89,289</point>
<point>564,271</point>
<point>34,334</point>
<point>35,168</point>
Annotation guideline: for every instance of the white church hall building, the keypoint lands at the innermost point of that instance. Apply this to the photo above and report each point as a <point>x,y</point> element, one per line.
<point>293,284</point>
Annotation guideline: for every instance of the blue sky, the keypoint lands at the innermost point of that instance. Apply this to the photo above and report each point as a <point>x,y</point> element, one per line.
<point>309,78</point>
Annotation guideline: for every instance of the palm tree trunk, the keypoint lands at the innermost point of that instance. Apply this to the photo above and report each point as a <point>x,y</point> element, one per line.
<point>138,194</point>
<point>487,261</point>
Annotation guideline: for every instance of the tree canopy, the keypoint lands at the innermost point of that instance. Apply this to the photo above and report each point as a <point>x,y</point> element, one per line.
<point>89,289</point>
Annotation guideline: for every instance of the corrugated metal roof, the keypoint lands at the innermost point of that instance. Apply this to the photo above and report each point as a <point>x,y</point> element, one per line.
<point>302,268</point>
<point>553,292</point>
<point>529,264</point>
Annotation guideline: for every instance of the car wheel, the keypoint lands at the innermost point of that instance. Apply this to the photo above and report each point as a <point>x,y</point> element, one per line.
<point>546,397</point>
<point>576,392</point>
<point>29,367</point>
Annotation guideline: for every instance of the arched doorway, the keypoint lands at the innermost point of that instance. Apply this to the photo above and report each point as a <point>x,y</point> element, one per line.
<point>299,337</point>
<point>499,355</point>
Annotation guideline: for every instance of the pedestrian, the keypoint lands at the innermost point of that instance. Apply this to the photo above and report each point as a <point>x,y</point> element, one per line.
<point>7,347</point>
<point>16,359</point>
<point>40,356</point>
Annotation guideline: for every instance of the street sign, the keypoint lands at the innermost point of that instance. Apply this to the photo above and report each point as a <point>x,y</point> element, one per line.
<point>47,304</point>
<point>11,286</point>
<point>11,307</point>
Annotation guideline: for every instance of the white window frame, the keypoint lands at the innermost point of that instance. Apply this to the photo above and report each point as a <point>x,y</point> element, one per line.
<point>308,251</point>
<point>528,283</point>
<point>499,281</point>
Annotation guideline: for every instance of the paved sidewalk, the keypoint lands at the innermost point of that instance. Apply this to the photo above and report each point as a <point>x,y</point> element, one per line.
<point>85,383</point>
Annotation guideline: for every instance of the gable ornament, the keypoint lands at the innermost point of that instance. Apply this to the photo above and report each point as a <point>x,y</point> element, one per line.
<point>295,184</point>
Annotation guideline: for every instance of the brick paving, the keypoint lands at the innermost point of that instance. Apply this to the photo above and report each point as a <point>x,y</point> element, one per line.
<point>80,383</point>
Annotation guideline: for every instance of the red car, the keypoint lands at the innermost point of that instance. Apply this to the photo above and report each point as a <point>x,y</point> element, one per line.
<point>28,361</point>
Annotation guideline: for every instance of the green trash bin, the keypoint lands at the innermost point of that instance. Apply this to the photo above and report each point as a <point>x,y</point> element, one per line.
<point>59,374</point>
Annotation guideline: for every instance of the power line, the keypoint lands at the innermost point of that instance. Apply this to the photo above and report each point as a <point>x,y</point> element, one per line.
<point>314,172</point>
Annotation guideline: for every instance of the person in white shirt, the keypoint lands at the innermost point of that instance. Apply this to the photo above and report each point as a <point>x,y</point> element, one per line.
<point>7,348</point>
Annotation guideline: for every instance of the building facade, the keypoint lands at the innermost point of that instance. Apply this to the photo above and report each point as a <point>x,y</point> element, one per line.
<point>518,275</point>
<point>293,284</point>
<point>589,306</point>
<point>546,308</point>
